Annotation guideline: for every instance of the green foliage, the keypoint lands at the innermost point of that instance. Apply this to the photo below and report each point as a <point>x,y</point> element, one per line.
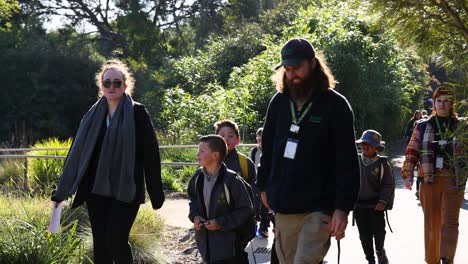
<point>11,173</point>
<point>46,172</point>
<point>437,27</point>
<point>177,177</point>
<point>8,8</point>
<point>238,11</point>
<point>47,82</point>
<point>23,238</point>
<point>214,63</point>
<point>459,161</point>
<point>201,112</point>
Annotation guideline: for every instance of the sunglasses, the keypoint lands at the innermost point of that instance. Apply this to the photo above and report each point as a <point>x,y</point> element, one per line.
<point>115,83</point>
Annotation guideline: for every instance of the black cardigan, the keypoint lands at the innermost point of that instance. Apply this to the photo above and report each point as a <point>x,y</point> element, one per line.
<point>147,163</point>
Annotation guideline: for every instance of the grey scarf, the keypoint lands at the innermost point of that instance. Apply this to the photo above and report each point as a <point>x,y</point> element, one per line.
<point>115,171</point>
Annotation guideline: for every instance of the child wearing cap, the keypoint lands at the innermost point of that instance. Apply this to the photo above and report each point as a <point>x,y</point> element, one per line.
<point>376,194</point>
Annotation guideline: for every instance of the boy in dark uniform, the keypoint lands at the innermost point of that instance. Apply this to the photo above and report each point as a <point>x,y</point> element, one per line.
<point>376,195</point>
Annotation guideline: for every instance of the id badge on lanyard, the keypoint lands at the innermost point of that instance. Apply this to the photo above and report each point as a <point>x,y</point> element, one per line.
<point>291,144</point>
<point>290,149</point>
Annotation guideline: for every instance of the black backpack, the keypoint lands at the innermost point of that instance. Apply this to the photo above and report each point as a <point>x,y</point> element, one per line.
<point>245,231</point>
<point>389,205</point>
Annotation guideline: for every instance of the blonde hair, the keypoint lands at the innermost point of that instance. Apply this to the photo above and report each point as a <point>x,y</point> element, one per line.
<point>117,65</point>
<point>322,73</point>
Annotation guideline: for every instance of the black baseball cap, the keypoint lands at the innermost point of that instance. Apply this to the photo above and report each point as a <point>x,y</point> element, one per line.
<point>295,51</point>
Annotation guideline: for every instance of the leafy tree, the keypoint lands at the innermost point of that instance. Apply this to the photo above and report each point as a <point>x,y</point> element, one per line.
<point>238,11</point>
<point>47,82</point>
<point>213,64</point>
<point>439,28</point>
<point>7,10</point>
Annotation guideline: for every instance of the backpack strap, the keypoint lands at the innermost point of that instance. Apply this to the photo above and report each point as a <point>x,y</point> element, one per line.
<point>243,165</point>
<point>227,194</point>
<point>197,175</point>
<point>381,171</point>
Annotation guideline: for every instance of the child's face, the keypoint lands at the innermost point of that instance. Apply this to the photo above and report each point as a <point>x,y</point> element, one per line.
<point>368,150</point>
<point>230,137</point>
<point>205,156</point>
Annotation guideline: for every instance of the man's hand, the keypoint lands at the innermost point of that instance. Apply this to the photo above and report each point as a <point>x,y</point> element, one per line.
<point>212,225</point>
<point>198,222</point>
<point>379,206</point>
<point>339,222</point>
<point>408,183</point>
<point>265,200</point>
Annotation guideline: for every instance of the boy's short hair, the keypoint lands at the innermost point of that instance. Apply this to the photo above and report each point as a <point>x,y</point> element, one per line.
<point>259,131</point>
<point>227,123</point>
<point>216,143</point>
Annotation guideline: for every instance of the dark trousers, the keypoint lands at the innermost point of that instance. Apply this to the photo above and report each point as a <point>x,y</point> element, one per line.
<point>264,218</point>
<point>419,180</point>
<point>111,221</point>
<point>241,257</point>
<point>371,225</point>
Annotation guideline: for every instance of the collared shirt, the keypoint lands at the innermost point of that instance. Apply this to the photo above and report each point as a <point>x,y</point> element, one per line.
<point>208,184</point>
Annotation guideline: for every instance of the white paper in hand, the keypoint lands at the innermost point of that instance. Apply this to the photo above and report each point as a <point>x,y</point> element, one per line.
<point>55,218</point>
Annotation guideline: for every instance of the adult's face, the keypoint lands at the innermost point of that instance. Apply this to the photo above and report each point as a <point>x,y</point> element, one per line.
<point>443,105</point>
<point>113,85</point>
<point>297,75</point>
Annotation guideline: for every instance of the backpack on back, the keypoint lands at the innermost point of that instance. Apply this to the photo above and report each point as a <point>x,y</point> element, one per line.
<point>389,205</point>
<point>246,231</point>
<point>243,165</point>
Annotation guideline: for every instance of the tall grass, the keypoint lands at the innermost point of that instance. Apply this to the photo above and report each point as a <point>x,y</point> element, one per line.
<point>24,239</point>
<point>11,173</point>
<point>44,173</point>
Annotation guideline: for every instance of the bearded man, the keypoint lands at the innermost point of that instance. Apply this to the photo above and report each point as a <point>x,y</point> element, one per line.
<point>309,169</point>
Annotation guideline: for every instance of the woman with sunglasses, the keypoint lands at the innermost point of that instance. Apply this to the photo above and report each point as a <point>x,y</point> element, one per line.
<point>433,147</point>
<point>113,156</point>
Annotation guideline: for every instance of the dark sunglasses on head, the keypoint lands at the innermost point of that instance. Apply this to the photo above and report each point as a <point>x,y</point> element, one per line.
<point>115,83</point>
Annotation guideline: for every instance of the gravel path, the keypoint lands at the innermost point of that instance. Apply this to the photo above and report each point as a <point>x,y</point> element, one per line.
<point>178,245</point>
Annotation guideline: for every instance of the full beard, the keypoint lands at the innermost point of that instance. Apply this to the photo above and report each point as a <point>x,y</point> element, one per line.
<point>301,91</point>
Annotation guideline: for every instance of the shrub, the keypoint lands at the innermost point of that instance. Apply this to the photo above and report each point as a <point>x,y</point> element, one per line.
<point>44,173</point>
<point>24,239</point>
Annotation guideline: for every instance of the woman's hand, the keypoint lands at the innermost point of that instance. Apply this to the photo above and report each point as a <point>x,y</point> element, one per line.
<point>408,183</point>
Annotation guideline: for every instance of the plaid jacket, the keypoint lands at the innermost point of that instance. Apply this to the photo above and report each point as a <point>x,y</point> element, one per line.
<point>421,149</point>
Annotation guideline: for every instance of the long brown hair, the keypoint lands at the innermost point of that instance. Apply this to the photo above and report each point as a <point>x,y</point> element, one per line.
<point>322,74</point>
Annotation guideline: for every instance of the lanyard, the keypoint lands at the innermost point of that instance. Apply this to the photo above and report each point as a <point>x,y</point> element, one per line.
<point>442,134</point>
<point>293,112</point>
